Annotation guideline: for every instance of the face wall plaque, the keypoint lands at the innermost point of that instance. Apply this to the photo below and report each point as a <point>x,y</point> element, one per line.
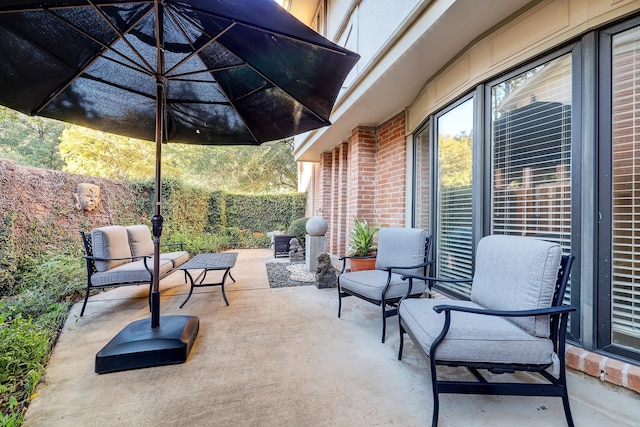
<point>87,197</point>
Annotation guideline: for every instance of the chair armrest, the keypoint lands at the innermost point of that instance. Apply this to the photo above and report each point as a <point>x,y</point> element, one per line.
<point>346,257</point>
<point>356,257</point>
<point>403,267</point>
<point>430,280</point>
<point>520,313</point>
<point>131,258</point>
<point>436,279</point>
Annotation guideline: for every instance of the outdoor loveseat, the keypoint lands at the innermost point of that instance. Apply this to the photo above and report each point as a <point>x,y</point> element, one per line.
<point>515,321</point>
<point>122,256</point>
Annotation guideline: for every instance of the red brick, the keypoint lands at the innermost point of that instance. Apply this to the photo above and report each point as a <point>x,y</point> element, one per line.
<point>572,357</point>
<point>633,378</point>
<point>592,364</point>
<point>613,371</point>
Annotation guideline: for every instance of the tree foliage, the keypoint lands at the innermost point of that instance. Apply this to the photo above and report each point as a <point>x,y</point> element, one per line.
<point>31,141</point>
<point>91,152</point>
<point>267,168</point>
<point>40,142</point>
<point>455,157</point>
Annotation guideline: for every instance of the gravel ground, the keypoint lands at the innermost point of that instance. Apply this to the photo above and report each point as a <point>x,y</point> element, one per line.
<point>280,276</point>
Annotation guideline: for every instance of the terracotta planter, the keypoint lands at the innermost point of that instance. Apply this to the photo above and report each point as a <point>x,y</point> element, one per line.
<point>359,264</point>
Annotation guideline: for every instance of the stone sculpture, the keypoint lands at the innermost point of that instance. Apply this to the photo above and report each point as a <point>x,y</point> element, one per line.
<point>326,276</point>
<point>295,250</point>
<point>87,196</point>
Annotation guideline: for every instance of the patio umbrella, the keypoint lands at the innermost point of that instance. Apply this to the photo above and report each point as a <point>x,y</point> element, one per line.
<point>191,71</point>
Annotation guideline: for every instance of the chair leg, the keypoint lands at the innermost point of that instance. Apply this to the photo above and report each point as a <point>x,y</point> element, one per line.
<point>84,305</point>
<point>384,321</point>
<point>436,400</point>
<point>339,301</point>
<point>401,338</point>
<point>567,409</point>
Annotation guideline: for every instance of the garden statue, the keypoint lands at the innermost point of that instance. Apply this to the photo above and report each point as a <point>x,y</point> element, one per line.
<point>295,250</point>
<point>87,197</point>
<point>325,273</point>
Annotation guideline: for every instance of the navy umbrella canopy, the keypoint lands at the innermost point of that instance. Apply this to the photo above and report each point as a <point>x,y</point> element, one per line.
<point>213,72</point>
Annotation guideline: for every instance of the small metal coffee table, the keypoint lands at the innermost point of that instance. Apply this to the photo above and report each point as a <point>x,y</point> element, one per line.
<point>209,262</point>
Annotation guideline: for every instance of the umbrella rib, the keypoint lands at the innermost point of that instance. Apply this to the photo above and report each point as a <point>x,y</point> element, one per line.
<point>266,30</point>
<point>186,36</point>
<point>122,34</point>
<point>60,7</point>
<point>245,63</point>
<point>135,66</point>
<point>81,71</point>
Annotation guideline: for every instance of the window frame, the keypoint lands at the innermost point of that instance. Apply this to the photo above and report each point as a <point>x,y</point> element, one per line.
<point>603,282</point>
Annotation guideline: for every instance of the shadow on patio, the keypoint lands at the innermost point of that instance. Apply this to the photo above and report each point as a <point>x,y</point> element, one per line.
<point>277,357</point>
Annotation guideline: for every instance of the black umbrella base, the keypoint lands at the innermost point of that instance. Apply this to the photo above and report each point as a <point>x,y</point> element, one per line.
<point>139,345</point>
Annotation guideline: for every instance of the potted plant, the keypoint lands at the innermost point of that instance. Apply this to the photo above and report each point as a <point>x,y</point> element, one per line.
<point>362,245</point>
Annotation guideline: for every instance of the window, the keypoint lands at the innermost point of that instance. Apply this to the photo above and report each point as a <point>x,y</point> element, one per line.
<point>454,195</point>
<point>531,153</point>
<point>422,179</point>
<point>625,189</point>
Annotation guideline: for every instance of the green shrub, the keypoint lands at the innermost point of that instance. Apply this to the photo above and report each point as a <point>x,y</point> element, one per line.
<point>298,228</point>
<point>24,350</point>
<point>8,254</point>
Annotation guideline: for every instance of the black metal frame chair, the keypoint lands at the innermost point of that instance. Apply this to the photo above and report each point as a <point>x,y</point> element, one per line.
<point>384,286</point>
<point>553,385</point>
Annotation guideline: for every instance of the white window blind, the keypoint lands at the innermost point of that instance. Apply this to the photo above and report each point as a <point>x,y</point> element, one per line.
<point>423,180</point>
<point>454,216</point>
<point>625,191</point>
<point>531,154</point>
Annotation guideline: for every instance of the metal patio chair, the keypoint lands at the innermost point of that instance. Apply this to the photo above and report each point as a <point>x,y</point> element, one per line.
<point>400,251</point>
<point>515,321</point>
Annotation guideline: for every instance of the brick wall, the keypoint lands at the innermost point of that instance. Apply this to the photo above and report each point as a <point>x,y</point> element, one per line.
<point>391,173</point>
<point>338,190</point>
<point>322,199</point>
<point>364,178</point>
<point>361,175</point>
<point>610,370</point>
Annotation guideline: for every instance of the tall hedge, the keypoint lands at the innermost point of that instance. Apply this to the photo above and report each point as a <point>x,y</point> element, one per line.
<point>39,214</point>
<point>264,212</point>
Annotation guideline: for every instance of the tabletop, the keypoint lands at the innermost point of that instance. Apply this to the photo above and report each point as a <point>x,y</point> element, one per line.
<point>217,261</point>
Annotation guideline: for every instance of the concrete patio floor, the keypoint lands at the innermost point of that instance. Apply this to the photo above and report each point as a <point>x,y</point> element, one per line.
<point>278,357</point>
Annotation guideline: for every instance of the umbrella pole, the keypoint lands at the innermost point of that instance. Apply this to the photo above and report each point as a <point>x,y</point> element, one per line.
<point>157,220</point>
<point>161,109</point>
<point>137,345</point>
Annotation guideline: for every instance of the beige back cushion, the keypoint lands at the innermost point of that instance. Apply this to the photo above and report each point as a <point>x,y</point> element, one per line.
<point>140,240</point>
<point>110,242</point>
